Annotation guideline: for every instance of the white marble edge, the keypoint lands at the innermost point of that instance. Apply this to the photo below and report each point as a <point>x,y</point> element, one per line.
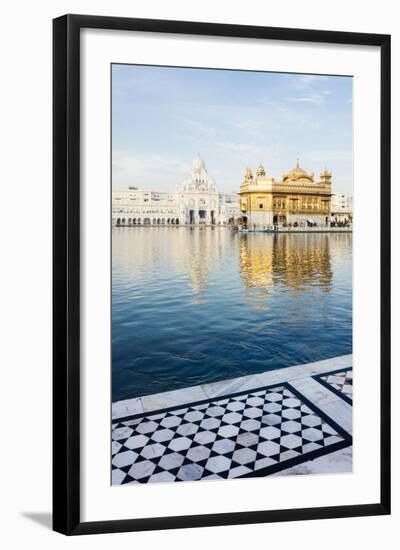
<point>327,401</point>
<point>325,397</point>
<point>337,462</point>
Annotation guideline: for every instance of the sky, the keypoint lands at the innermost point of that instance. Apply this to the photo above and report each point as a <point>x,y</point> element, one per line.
<point>163,117</point>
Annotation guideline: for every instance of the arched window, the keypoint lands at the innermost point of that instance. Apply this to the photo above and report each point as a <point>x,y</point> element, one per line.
<point>163,221</point>
<point>158,221</point>
<point>118,221</point>
<point>177,221</point>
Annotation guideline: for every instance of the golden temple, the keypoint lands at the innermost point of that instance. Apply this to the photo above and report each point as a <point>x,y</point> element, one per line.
<point>296,200</point>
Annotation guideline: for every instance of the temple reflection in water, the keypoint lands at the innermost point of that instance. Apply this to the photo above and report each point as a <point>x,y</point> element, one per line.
<point>198,256</point>
<point>190,305</point>
<point>296,261</point>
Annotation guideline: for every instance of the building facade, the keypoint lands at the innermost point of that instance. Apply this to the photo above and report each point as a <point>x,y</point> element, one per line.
<point>196,201</point>
<point>296,200</point>
<point>342,208</point>
<point>133,206</point>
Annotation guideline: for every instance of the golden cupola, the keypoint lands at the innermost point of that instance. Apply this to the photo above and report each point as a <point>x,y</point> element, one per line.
<point>326,176</point>
<point>248,175</point>
<point>260,172</point>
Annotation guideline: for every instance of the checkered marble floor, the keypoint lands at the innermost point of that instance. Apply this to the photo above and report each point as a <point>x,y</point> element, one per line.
<point>255,432</point>
<point>340,382</point>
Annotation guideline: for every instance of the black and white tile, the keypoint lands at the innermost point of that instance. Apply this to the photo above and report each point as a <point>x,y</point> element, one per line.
<point>339,382</point>
<point>252,433</point>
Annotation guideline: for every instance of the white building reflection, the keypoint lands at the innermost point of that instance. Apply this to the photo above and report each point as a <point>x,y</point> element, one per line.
<point>188,255</point>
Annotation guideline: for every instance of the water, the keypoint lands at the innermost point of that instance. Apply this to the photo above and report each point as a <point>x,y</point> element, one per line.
<point>191,306</point>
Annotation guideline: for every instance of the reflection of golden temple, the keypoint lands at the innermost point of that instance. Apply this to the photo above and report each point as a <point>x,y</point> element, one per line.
<point>302,262</point>
<point>296,200</point>
<point>299,262</point>
<point>256,257</point>
<point>296,261</point>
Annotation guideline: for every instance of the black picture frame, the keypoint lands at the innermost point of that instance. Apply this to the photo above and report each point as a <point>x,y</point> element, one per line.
<point>66,273</point>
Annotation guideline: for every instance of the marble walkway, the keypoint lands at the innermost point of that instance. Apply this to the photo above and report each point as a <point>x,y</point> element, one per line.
<point>296,420</point>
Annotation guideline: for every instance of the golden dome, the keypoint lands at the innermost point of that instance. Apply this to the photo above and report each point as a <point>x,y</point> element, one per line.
<point>297,173</point>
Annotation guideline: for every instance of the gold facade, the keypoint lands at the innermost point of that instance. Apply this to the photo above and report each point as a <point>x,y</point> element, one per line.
<point>295,200</point>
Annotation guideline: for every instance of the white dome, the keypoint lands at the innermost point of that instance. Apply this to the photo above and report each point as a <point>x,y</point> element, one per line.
<point>198,164</point>
<point>198,180</point>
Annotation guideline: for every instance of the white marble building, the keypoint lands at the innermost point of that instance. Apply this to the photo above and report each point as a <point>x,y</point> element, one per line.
<point>342,207</point>
<point>133,206</point>
<point>196,201</point>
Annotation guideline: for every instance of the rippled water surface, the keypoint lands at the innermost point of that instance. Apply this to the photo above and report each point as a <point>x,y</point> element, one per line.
<point>191,306</point>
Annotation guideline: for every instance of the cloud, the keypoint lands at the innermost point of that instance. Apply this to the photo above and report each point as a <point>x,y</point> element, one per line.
<point>307,80</point>
<point>164,117</point>
<point>145,171</point>
<point>314,98</point>
<point>197,126</point>
<point>331,155</point>
<point>308,90</point>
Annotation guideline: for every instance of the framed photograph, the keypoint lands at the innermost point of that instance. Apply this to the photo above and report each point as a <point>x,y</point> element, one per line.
<point>221,274</point>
